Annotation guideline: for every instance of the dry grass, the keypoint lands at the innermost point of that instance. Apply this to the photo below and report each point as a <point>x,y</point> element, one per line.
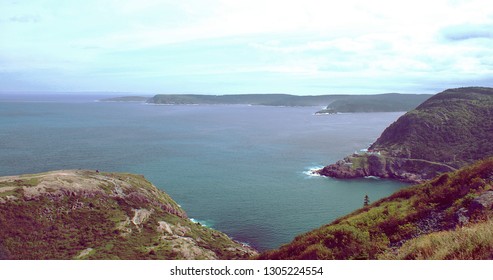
<point>474,242</point>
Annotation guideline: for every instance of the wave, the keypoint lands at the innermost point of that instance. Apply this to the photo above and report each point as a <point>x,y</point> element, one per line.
<point>204,223</point>
<point>311,172</point>
<point>372,177</point>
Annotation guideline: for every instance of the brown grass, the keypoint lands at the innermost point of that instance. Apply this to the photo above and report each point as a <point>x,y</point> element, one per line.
<point>474,242</point>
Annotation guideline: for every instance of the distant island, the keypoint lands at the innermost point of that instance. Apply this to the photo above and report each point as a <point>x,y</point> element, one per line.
<point>389,102</point>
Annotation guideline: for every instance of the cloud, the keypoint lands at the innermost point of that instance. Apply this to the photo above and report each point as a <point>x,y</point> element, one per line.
<point>255,45</point>
<point>467,32</point>
<point>25,18</point>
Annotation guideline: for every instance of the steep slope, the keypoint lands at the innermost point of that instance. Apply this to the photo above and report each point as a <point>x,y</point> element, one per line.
<point>76,214</point>
<point>448,217</point>
<point>448,131</point>
<point>453,127</point>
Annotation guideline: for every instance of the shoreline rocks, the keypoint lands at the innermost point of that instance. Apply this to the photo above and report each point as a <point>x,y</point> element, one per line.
<point>369,164</point>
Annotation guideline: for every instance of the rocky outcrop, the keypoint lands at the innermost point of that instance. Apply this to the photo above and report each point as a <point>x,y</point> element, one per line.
<point>482,202</point>
<point>477,206</point>
<point>403,169</point>
<point>80,214</point>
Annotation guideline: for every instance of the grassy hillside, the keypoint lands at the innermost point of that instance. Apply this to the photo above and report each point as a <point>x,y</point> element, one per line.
<point>447,131</point>
<point>453,127</point>
<point>445,218</point>
<point>94,215</point>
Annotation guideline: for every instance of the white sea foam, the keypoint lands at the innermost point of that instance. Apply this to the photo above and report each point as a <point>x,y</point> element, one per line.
<point>204,223</point>
<point>372,177</point>
<point>312,171</point>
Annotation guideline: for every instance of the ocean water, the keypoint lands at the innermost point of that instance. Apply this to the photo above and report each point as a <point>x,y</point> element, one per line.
<point>236,168</point>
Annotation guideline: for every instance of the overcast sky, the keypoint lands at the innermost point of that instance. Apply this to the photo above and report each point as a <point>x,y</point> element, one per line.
<point>251,46</point>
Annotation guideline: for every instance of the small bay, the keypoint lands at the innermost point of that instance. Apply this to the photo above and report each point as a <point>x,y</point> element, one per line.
<point>236,168</point>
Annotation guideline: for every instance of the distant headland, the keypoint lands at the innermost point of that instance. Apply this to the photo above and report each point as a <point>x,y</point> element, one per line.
<point>388,102</point>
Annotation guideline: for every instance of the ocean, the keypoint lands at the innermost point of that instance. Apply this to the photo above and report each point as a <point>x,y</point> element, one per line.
<point>235,168</point>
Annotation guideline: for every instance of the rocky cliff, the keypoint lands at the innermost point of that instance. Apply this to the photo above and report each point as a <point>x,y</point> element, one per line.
<point>80,214</point>
<point>448,131</point>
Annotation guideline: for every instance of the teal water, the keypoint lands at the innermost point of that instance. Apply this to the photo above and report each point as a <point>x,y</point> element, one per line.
<point>238,169</point>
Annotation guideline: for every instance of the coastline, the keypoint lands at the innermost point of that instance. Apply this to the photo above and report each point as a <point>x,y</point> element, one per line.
<point>375,165</point>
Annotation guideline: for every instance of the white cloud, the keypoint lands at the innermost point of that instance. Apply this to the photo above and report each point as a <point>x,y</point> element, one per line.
<point>299,42</point>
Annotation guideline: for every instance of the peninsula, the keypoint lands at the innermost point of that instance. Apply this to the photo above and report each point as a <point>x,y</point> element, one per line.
<point>444,133</point>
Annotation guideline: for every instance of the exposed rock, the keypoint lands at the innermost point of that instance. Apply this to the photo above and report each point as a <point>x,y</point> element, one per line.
<point>118,191</point>
<point>123,227</point>
<point>363,165</point>
<point>482,202</point>
<point>84,253</point>
<point>462,216</point>
<point>188,249</point>
<point>164,227</point>
<point>140,216</point>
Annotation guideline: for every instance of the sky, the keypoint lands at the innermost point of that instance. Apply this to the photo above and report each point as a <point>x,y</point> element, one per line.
<point>306,47</point>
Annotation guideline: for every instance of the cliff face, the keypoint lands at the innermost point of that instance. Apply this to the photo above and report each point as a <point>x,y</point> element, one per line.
<point>448,131</point>
<point>449,217</point>
<point>402,169</point>
<point>92,215</point>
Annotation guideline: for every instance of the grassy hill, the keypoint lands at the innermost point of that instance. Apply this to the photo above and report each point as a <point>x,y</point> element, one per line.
<point>448,217</point>
<point>453,127</point>
<point>447,131</point>
<point>80,214</point>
